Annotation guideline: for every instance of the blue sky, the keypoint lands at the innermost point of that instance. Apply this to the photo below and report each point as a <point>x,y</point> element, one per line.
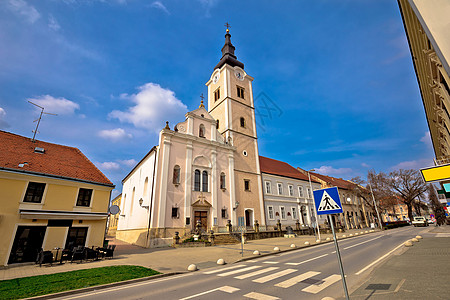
<point>334,83</point>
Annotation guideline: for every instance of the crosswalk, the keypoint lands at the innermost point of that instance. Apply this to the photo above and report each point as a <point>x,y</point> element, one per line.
<point>311,281</point>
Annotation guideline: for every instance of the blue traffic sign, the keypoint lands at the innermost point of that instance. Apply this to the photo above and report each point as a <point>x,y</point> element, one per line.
<point>327,201</point>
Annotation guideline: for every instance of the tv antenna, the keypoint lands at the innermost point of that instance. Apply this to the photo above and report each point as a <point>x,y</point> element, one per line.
<point>39,119</point>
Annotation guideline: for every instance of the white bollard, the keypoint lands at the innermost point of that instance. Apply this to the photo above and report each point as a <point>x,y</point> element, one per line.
<point>344,236</point>
<point>317,241</point>
<point>366,231</point>
<point>328,298</point>
<point>408,244</point>
<point>419,237</point>
<point>256,252</point>
<point>351,234</point>
<point>192,268</point>
<point>362,232</point>
<point>276,249</point>
<point>293,246</point>
<point>307,243</point>
<point>220,261</point>
<point>328,239</point>
<point>414,240</point>
<point>356,233</point>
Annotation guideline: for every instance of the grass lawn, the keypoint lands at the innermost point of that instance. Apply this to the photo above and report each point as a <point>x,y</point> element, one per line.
<point>54,283</point>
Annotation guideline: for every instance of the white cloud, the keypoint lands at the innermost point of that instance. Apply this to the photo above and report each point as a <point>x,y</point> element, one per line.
<point>3,123</point>
<point>109,166</point>
<point>153,106</point>
<point>128,162</point>
<point>426,139</point>
<point>24,9</point>
<point>365,165</point>
<point>208,4</point>
<point>53,24</point>
<point>329,170</point>
<point>159,5</point>
<point>414,164</point>
<point>56,105</point>
<point>114,135</point>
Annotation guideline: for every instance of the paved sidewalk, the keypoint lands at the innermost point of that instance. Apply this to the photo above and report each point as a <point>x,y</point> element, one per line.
<point>168,260</point>
<point>420,272</point>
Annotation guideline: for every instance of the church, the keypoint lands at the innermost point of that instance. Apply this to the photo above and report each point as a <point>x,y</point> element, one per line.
<point>205,169</point>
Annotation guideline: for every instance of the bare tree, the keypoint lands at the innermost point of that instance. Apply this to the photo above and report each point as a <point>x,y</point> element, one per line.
<point>407,185</point>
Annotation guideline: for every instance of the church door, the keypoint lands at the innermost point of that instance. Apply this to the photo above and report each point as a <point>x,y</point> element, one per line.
<point>203,217</point>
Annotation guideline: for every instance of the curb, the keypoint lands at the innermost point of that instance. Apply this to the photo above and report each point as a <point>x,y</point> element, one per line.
<point>103,286</point>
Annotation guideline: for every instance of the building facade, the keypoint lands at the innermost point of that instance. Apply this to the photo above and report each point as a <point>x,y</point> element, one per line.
<point>113,220</point>
<point>51,196</point>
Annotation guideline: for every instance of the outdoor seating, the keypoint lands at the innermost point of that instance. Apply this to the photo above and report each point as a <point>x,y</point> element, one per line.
<point>91,254</point>
<point>44,257</point>
<point>110,251</point>
<point>78,254</point>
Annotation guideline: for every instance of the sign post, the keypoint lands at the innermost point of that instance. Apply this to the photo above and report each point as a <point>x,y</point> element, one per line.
<point>327,202</point>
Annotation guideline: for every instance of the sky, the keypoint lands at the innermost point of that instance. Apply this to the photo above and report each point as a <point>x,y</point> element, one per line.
<point>334,88</point>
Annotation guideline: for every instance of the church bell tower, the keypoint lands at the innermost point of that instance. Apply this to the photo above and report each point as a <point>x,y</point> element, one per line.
<point>230,102</point>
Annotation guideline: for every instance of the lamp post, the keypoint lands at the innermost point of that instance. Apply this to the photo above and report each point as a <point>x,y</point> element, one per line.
<point>375,204</point>
<point>315,212</point>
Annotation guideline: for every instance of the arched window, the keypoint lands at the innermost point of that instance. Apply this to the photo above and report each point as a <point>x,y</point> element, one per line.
<point>201,131</point>
<point>197,180</point>
<point>132,201</point>
<point>222,180</point>
<point>145,187</point>
<point>205,181</point>
<point>242,122</point>
<point>217,124</point>
<point>176,174</point>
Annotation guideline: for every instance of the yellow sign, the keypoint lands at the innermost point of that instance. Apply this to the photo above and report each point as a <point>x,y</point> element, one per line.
<point>436,173</point>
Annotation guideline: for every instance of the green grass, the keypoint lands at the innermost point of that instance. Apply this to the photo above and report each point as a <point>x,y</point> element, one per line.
<point>47,284</point>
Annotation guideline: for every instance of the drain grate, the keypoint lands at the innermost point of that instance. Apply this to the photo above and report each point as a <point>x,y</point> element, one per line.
<point>378,286</point>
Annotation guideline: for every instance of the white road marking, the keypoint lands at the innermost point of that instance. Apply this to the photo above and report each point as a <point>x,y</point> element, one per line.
<point>442,234</point>
<point>362,242</point>
<point>294,280</point>
<point>270,262</point>
<point>256,273</point>
<point>305,261</point>
<point>238,271</point>
<point>315,288</point>
<point>371,264</point>
<point>223,269</point>
<point>226,289</point>
<point>274,276</point>
<point>259,296</point>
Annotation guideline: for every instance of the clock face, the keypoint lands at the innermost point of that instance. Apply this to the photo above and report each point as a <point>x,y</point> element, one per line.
<point>239,75</point>
<point>216,77</point>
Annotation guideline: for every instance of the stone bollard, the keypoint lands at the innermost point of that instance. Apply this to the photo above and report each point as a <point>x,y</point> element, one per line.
<point>229,226</point>
<point>176,238</point>
<point>276,249</point>
<point>220,261</point>
<point>356,233</point>
<point>328,239</point>
<point>344,236</point>
<point>256,226</point>
<point>408,244</point>
<point>306,243</point>
<point>317,241</point>
<point>419,237</point>
<point>192,268</point>
<point>414,240</point>
<point>256,252</point>
<point>351,234</point>
<point>362,232</point>
<point>293,246</point>
<point>328,298</point>
<point>366,231</point>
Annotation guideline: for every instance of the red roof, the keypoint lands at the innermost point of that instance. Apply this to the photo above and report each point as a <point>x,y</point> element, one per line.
<point>18,153</point>
<point>339,182</point>
<point>276,167</point>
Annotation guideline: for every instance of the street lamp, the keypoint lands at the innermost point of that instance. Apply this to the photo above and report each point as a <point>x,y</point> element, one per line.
<point>315,211</point>
<point>375,204</point>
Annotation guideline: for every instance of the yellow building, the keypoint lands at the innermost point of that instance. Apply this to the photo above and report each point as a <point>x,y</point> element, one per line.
<point>114,219</point>
<point>51,197</point>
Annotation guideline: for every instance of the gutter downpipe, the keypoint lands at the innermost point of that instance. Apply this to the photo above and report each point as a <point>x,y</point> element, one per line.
<point>151,198</point>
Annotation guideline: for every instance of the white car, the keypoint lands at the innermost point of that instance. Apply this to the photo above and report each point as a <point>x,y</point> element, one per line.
<point>420,221</point>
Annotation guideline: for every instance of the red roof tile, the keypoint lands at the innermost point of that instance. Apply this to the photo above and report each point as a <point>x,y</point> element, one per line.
<point>58,160</point>
<point>339,182</point>
<point>276,167</point>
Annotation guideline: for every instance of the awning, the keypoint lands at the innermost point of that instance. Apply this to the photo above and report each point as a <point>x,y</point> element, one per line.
<point>55,215</point>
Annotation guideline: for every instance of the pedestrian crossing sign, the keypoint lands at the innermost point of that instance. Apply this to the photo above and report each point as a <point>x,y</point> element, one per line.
<point>327,201</point>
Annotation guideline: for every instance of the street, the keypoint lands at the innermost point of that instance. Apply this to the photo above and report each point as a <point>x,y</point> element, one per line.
<point>308,273</point>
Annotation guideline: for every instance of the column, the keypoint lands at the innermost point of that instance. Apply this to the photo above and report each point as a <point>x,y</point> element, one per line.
<point>232,188</point>
<point>163,183</point>
<point>214,188</point>
<point>188,182</point>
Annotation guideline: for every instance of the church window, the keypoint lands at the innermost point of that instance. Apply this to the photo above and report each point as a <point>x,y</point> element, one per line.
<point>300,192</point>
<point>242,122</point>
<point>175,213</point>
<point>197,180</point>
<point>222,181</point>
<point>270,212</point>
<point>247,184</point>
<point>240,92</point>
<point>204,181</point>
<point>132,201</point>
<point>268,187</point>
<point>291,190</point>
<point>280,188</point>
<point>201,131</point>
<point>224,213</point>
<point>244,153</point>
<point>176,175</point>
<point>217,124</point>
<point>217,94</point>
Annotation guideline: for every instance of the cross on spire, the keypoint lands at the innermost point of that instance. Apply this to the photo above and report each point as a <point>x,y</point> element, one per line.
<point>202,97</point>
<point>227,25</point>
<point>201,102</point>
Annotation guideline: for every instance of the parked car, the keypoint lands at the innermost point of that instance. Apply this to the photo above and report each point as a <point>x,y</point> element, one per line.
<point>420,221</point>
<point>430,221</point>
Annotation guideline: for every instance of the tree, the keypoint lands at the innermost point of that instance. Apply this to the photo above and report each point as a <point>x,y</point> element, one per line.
<point>436,206</point>
<point>407,185</point>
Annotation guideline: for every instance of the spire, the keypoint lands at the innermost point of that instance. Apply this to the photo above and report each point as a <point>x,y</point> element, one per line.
<point>228,56</point>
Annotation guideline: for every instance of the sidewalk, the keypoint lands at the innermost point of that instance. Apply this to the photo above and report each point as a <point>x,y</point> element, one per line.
<point>420,272</point>
<point>168,260</point>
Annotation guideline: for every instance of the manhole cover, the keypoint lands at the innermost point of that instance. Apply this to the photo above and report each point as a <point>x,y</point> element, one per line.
<point>378,286</point>
<point>312,281</point>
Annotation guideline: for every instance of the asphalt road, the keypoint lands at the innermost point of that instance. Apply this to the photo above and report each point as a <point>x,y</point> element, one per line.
<point>308,273</point>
